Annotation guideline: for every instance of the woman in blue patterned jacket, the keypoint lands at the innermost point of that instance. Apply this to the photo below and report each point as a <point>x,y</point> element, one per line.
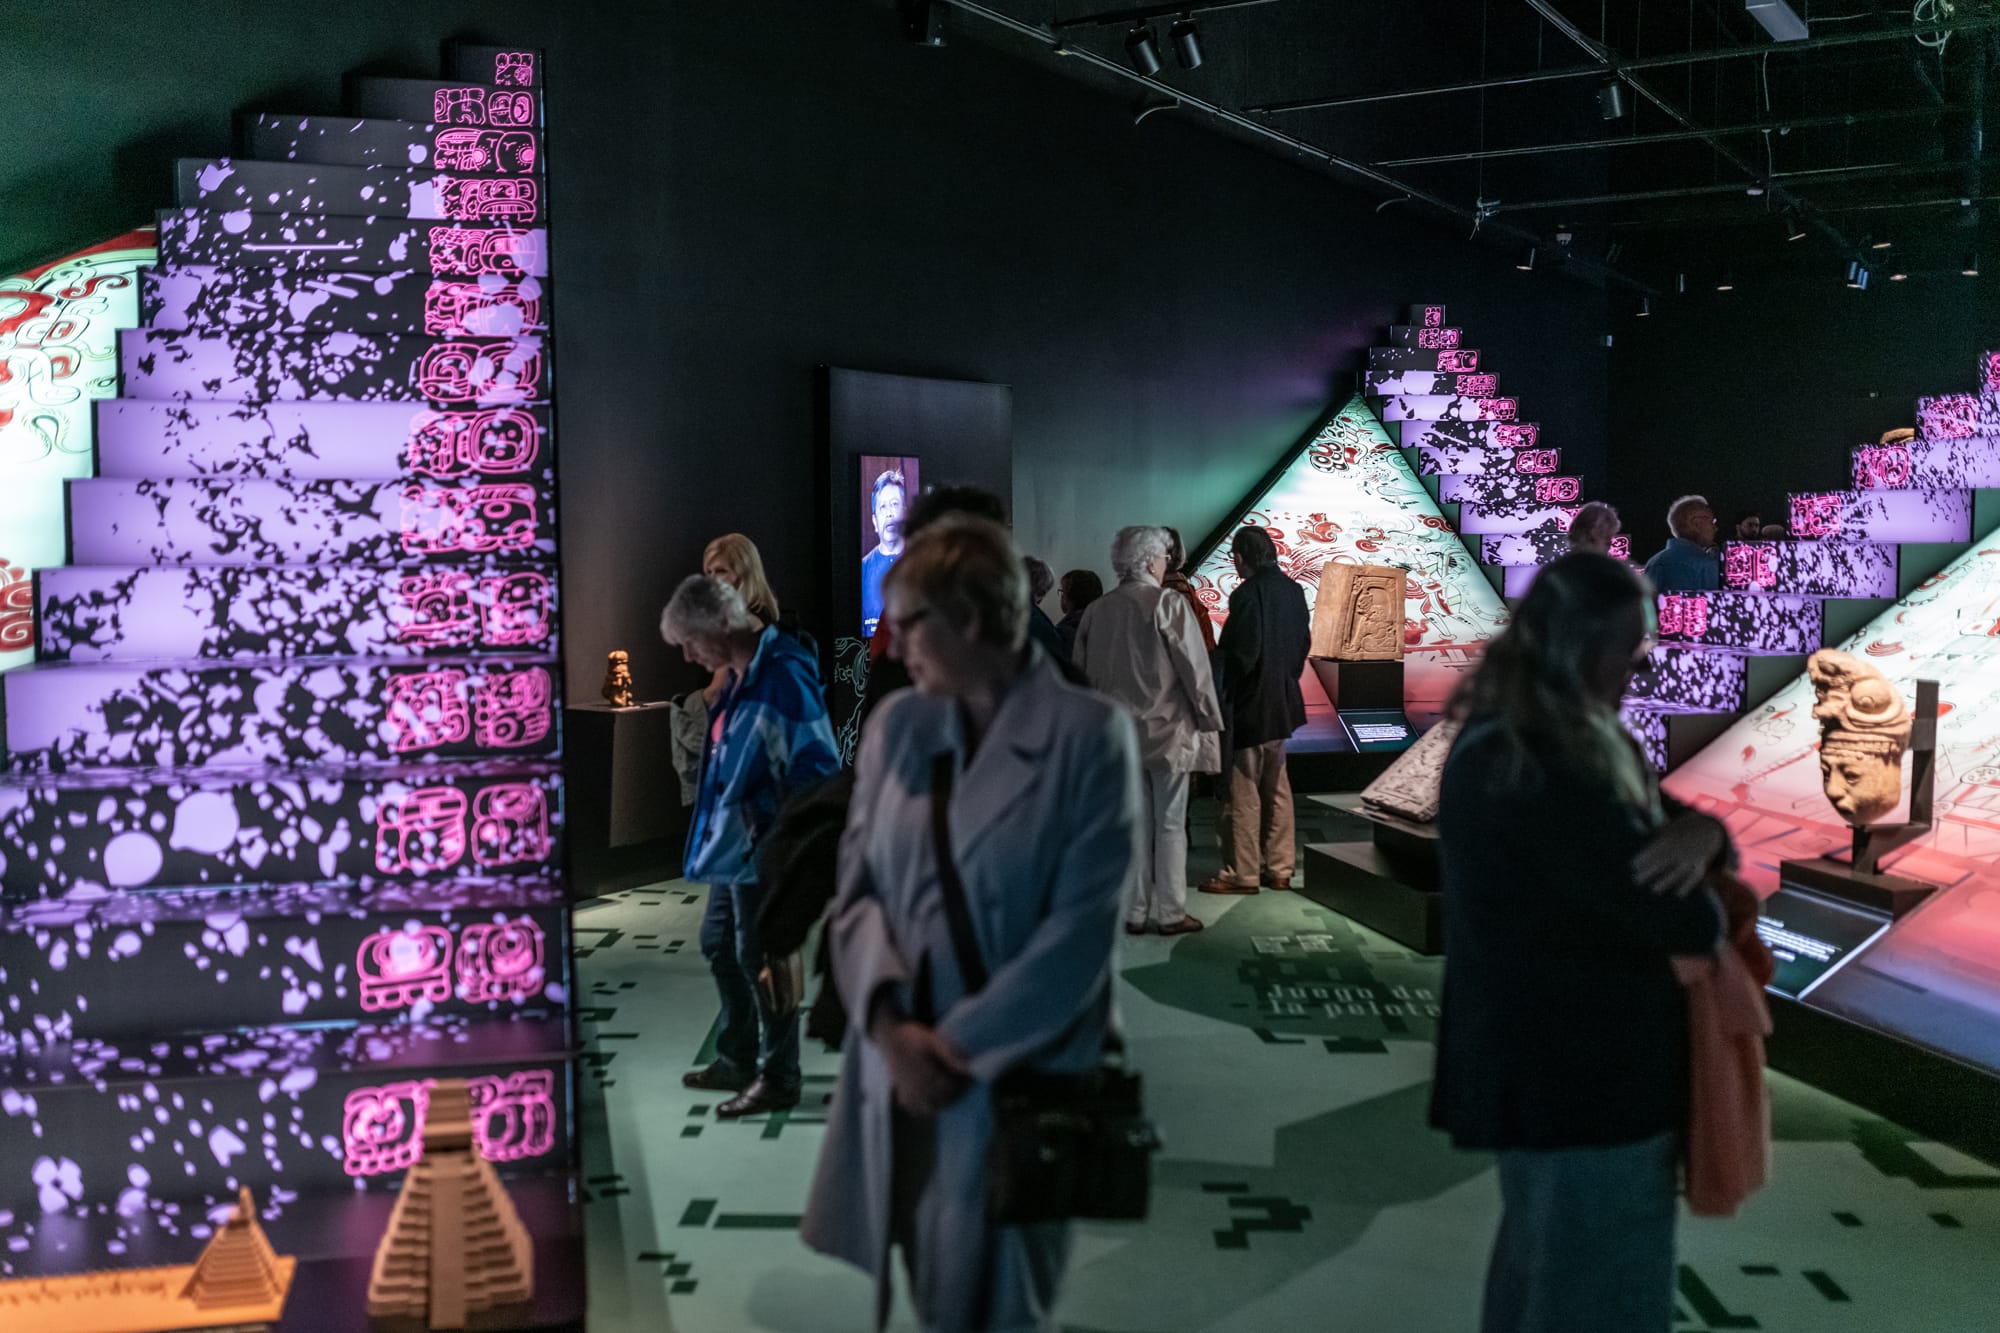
<point>768,737</point>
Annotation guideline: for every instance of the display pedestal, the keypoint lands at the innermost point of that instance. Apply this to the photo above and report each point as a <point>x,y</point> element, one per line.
<point>1837,879</point>
<point>623,817</point>
<point>1388,884</point>
<point>1351,685</point>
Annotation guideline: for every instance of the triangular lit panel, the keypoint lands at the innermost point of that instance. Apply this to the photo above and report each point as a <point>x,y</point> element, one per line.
<point>1351,497</point>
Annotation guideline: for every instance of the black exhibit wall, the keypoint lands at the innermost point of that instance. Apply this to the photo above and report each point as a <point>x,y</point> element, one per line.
<point>1171,309</point>
<point>1746,396</point>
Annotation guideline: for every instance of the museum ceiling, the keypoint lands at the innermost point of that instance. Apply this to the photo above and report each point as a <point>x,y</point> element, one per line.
<point>1657,133</point>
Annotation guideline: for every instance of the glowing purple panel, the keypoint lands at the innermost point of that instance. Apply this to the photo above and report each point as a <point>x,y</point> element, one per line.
<point>1489,460</point>
<point>1523,516</point>
<point>180,522</point>
<point>120,829</point>
<point>1883,515</point>
<point>1423,339</point>
<point>1448,407</point>
<point>1481,434</point>
<point>1650,730</point>
<point>334,367</point>
<point>446,102</point>
<point>226,184</point>
<point>1382,383</point>
<point>79,1097</point>
<point>1961,464</point>
<point>1989,371</point>
<point>1750,622</point>
<point>1428,316</point>
<point>1689,680</point>
<point>1449,360</point>
<point>63,716</point>
<point>158,954</point>
<point>322,441</point>
<point>1537,547</point>
<point>1810,569</point>
<point>226,300</point>
<point>505,66</point>
<point>344,141</point>
<point>1958,416</point>
<point>96,613</point>
<point>1511,491</point>
<point>303,242</point>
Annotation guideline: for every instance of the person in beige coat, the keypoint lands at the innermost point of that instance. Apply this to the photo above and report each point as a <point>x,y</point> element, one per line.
<point>1140,644</point>
<point>1043,812</point>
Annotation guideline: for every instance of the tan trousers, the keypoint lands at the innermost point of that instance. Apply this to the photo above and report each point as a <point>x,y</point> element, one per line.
<point>1256,822</point>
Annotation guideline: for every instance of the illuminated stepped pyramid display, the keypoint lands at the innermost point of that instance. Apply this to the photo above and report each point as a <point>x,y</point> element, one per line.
<point>281,817</point>
<point>1916,504</point>
<point>1901,1013</point>
<point>1345,495</point>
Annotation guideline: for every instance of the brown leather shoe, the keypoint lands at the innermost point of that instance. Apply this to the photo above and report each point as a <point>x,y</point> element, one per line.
<point>1187,925</point>
<point>759,1097</point>
<point>1217,884</point>
<point>1280,883</point>
<point>718,1077</point>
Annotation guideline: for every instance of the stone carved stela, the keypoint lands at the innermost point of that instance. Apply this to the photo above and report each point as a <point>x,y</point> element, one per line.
<point>1358,613</point>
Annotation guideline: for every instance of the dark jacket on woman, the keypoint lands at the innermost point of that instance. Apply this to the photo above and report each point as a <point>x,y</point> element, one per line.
<point>1264,648</point>
<point>1564,1025</point>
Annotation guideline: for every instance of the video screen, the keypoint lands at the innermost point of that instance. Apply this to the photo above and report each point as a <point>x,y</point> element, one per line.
<point>888,484</point>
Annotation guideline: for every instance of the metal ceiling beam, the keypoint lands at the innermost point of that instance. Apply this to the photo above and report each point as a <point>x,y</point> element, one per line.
<point>1834,121</point>
<point>1609,59</point>
<point>1640,63</point>
<point>1826,176</point>
<point>1142,13</point>
<point>1189,102</point>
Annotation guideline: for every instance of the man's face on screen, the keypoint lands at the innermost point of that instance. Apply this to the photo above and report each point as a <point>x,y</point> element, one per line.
<point>889,518</point>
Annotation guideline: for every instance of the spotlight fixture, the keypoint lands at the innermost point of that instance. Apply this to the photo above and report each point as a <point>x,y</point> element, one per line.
<point>1897,275</point>
<point>1754,189</point>
<point>1857,275</point>
<point>1877,243</point>
<point>923,22</point>
<point>1186,37</point>
<point>1142,50</point>
<point>1779,19</point>
<point>1526,263</point>
<point>1795,228</point>
<point>1680,284</point>
<point>1970,268</point>
<point>1726,282</point>
<point>1611,100</point>
<point>1645,307</point>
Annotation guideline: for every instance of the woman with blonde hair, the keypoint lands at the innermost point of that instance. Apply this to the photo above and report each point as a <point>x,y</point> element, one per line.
<point>734,559</point>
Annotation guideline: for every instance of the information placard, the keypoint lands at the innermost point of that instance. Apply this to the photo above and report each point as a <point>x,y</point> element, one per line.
<point>1812,937</point>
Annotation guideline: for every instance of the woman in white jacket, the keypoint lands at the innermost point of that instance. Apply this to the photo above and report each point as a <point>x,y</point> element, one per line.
<point>1140,644</point>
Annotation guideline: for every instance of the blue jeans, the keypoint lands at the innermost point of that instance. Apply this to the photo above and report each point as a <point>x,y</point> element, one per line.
<point>1586,1240</point>
<point>751,1039</point>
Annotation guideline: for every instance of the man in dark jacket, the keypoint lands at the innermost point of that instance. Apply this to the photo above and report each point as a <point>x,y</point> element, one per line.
<point>1263,648</point>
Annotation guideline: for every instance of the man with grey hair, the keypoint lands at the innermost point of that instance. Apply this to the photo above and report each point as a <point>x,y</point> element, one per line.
<point>768,738</point>
<point>1593,528</point>
<point>1139,644</point>
<point>1689,561</point>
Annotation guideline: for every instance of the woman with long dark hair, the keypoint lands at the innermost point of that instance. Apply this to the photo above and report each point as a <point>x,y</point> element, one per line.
<point>1568,887</point>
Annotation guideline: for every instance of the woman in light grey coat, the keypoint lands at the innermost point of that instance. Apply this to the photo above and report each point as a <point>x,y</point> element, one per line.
<point>1045,825</point>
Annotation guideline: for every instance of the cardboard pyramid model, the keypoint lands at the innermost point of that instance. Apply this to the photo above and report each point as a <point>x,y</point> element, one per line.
<point>239,1268</point>
<point>455,1249</point>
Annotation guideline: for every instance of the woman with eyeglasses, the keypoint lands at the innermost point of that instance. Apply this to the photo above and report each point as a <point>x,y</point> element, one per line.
<point>1569,885</point>
<point>1034,786</point>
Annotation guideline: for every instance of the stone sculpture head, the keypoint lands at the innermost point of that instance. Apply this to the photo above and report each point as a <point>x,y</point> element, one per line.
<point>1864,727</point>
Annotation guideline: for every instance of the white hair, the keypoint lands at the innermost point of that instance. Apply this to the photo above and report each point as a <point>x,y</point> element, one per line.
<point>1136,547</point>
<point>704,608</point>
<point>1678,511</point>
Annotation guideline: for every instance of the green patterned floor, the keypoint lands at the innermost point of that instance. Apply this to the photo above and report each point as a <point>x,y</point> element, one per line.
<point>1287,1054</point>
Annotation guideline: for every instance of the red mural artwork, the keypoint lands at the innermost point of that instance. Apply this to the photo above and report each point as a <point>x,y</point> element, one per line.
<point>17,607</point>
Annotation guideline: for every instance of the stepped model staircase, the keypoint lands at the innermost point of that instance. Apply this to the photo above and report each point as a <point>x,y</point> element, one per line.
<point>281,812</point>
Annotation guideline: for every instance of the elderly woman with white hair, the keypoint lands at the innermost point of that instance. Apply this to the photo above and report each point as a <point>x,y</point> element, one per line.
<point>1140,644</point>
<point>768,737</point>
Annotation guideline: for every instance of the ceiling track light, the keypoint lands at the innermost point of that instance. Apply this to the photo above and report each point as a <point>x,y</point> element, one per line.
<point>1142,50</point>
<point>1645,307</point>
<point>1186,37</point>
<point>1876,243</point>
<point>1795,227</point>
<point>1526,263</point>
<point>1970,268</point>
<point>1611,99</point>
<point>1680,284</point>
<point>1754,189</point>
<point>1857,275</point>
<point>1726,282</point>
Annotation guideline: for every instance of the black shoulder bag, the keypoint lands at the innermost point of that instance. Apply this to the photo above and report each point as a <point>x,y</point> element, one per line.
<point>1064,1145</point>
